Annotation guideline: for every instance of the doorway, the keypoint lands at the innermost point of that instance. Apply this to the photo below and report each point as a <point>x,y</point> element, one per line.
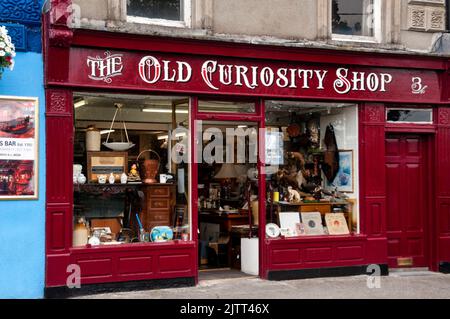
<point>227,193</point>
<point>408,188</point>
<point>227,189</point>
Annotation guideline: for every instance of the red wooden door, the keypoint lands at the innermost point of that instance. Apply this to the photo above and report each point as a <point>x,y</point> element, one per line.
<point>406,200</point>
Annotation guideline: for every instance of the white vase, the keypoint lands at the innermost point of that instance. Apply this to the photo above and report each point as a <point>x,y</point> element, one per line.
<point>93,139</point>
<point>123,178</point>
<point>111,179</point>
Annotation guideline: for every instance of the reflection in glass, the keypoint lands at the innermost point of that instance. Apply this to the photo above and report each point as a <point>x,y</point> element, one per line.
<point>353,17</point>
<point>409,116</point>
<point>155,9</point>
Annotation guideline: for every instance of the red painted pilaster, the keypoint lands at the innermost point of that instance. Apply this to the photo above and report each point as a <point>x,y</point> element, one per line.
<point>59,124</point>
<point>373,181</point>
<point>443,183</point>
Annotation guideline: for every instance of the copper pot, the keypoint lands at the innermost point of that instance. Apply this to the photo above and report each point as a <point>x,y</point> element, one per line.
<point>150,170</point>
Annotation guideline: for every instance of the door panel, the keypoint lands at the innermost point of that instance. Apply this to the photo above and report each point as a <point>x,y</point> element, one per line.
<point>406,199</point>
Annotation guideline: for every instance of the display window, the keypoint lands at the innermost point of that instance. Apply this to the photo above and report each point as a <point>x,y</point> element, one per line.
<point>311,169</point>
<point>130,177</point>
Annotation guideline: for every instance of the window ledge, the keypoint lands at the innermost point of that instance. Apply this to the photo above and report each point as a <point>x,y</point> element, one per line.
<point>354,39</point>
<point>158,22</point>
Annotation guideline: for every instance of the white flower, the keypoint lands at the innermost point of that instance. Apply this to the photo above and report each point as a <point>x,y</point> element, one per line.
<point>2,53</point>
<point>13,54</point>
<point>2,45</point>
<point>8,50</point>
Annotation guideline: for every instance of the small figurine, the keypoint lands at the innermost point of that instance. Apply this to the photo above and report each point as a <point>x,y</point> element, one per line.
<point>133,176</point>
<point>294,196</point>
<point>81,179</point>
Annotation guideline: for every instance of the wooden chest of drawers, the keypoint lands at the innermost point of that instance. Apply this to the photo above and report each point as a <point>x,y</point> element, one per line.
<point>159,204</point>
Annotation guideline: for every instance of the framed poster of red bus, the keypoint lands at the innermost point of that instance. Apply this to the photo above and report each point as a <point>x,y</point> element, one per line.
<point>18,147</point>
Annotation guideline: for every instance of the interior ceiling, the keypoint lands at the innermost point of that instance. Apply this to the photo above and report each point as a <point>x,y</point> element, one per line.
<point>100,109</point>
<point>302,107</point>
<point>129,100</point>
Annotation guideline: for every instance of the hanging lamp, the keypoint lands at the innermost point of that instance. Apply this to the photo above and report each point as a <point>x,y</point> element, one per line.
<point>118,146</point>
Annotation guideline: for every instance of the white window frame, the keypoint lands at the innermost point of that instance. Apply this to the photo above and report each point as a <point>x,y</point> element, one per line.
<point>376,38</point>
<point>185,23</point>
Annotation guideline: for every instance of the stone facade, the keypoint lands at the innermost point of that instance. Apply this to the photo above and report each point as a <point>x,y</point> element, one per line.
<point>409,25</point>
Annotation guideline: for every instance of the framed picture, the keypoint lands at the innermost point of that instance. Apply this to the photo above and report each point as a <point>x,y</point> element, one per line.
<point>336,224</point>
<point>288,222</point>
<point>105,163</point>
<point>312,223</point>
<point>345,177</point>
<point>19,147</point>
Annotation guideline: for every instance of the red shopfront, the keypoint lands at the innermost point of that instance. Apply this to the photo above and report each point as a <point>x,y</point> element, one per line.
<point>149,65</point>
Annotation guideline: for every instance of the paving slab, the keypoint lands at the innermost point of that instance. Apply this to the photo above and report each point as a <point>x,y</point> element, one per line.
<point>234,285</point>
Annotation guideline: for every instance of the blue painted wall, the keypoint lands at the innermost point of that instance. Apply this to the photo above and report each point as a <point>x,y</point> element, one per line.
<point>22,223</point>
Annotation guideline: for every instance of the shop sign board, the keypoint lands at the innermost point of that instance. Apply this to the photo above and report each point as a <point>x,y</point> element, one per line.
<point>18,147</point>
<point>250,77</point>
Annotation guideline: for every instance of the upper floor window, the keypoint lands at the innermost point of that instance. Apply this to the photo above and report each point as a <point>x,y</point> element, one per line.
<point>357,20</point>
<point>175,13</point>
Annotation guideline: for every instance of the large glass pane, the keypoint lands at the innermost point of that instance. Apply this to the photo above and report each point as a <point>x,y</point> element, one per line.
<point>155,9</point>
<point>353,17</point>
<point>312,168</point>
<point>131,180</point>
<point>409,116</point>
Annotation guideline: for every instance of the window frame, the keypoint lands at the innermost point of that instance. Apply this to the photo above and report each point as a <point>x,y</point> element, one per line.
<point>431,122</point>
<point>186,7</point>
<point>376,38</point>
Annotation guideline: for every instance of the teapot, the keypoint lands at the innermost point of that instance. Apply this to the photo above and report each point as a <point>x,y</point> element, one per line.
<point>81,179</point>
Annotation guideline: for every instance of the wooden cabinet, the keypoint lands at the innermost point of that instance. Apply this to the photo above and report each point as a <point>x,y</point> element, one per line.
<point>323,208</point>
<point>158,206</point>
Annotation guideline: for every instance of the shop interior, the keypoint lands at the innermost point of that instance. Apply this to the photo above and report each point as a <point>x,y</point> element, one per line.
<point>312,169</point>
<point>127,189</point>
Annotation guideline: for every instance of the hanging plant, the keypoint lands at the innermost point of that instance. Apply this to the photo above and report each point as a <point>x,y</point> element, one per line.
<point>7,51</point>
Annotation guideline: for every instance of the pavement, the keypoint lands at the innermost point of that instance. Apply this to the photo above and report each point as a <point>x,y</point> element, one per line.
<point>229,284</point>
